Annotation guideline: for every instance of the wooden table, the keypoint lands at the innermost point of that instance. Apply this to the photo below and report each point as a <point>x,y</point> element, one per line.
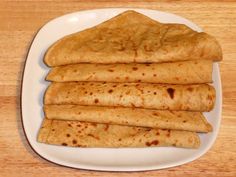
<point>20,21</point>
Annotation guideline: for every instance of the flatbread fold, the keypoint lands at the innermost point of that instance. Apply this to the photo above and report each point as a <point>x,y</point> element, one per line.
<point>188,72</point>
<point>176,120</point>
<point>133,37</point>
<point>83,134</point>
<point>199,97</point>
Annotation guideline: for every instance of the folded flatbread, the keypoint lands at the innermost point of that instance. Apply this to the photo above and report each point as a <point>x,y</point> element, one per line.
<point>133,37</point>
<point>83,134</point>
<point>175,120</point>
<point>188,72</point>
<point>154,96</point>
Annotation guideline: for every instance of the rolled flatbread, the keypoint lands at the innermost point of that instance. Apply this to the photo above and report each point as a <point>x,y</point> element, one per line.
<point>188,72</point>
<point>83,134</point>
<point>153,96</point>
<point>133,37</point>
<point>175,120</point>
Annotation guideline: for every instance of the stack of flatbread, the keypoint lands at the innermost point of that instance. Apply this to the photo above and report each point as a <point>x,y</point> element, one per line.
<point>129,82</point>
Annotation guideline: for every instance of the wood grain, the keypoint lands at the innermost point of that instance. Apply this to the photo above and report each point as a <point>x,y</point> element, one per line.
<point>20,21</point>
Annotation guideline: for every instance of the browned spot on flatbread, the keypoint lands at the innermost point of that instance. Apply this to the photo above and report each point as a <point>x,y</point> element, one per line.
<point>135,68</point>
<point>155,114</point>
<point>190,89</point>
<point>69,125</point>
<point>143,74</point>
<point>110,91</point>
<point>168,133</point>
<point>155,142</point>
<point>155,93</point>
<point>171,92</point>
<point>94,124</point>
<point>74,142</point>
<point>63,144</point>
<point>93,136</point>
<point>110,70</point>
<point>106,127</point>
<point>68,135</point>
<point>126,78</point>
<point>96,100</point>
<point>154,75</point>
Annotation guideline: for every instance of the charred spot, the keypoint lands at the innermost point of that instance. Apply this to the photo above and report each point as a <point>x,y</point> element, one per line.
<point>154,75</point>
<point>184,121</point>
<point>114,86</point>
<point>147,64</point>
<point>68,135</point>
<point>128,92</point>
<point>85,92</point>
<point>209,97</point>
<point>155,142</point>
<point>74,142</point>
<point>75,70</point>
<point>121,96</point>
<point>137,85</point>
<point>96,100</point>
<point>155,114</point>
<point>79,131</point>
<point>91,84</point>
<point>104,82</point>
<point>53,129</point>
<point>180,64</point>
<point>139,80</point>
<point>155,93</point>
<point>177,78</point>
<point>119,139</point>
<point>69,125</point>
<point>91,93</point>
<point>125,85</point>
<point>171,92</point>
<point>135,68</point>
<point>110,70</point>
<point>110,91</point>
<point>64,144</point>
<point>168,133</point>
<point>78,125</point>
<point>106,127</point>
<point>143,74</point>
<point>94,124</point>
<point>95,137</point>
<point>126,77</point>
<point>190,89</point>
<point>157,133</point>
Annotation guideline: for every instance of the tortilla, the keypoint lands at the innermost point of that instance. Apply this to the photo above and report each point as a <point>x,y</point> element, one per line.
<point>188,72</point>
<point>133,37</point>
<point>83,134</point>
<point>153,96</point>
<point>176,120</point>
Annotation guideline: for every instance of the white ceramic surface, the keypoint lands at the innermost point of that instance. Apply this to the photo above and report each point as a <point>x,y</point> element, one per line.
<point>123,159</point>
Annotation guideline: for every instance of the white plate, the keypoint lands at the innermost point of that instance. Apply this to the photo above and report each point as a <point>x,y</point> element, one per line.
<point>124,159</point>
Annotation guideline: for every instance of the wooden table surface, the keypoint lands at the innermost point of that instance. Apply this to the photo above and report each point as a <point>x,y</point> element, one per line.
<point>20,21</point>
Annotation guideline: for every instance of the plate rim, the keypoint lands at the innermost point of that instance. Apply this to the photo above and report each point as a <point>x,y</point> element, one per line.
<point>102,168</point>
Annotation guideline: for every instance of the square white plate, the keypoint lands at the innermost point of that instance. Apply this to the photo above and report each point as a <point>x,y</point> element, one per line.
<point>123,159</point>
